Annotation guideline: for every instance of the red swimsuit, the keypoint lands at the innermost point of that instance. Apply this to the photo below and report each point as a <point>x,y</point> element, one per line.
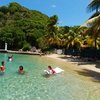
<point>2,68</point>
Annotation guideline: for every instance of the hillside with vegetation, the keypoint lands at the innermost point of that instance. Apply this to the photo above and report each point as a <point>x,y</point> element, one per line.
<point>22,28</point>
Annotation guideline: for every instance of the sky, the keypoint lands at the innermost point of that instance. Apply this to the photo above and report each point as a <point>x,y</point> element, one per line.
<point>69,12</point>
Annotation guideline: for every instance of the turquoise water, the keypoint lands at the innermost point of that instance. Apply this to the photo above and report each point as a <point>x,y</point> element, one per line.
<point>34,85</point>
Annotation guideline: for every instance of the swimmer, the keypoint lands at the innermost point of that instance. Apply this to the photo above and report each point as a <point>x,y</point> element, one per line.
<point>51,70</point>
<point>2,67</point>
<point>20,70</point>
<point>10,58</point>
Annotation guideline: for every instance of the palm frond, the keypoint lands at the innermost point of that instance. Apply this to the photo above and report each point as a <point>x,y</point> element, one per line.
<point>94,5</point>
<point>95,22</point>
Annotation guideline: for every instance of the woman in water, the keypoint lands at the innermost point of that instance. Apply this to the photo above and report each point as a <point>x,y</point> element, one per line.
<point>51,70</point>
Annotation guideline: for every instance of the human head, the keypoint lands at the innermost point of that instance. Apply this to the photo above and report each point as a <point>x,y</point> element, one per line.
<point>21,67</point>
<point>49,67</point>
<point>2,63</point>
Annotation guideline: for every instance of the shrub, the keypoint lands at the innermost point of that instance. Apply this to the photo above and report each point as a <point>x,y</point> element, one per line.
<point>26,47</point>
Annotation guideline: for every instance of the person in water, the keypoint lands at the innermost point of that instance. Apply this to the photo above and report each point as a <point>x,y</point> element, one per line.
<point>51,70</point>
<point>10,58</point>
<point>2,67</point>
<point>21,70</point>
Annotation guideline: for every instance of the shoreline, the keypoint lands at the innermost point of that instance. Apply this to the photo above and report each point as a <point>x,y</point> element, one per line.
<point>20,52</point>
<point>81,65</point>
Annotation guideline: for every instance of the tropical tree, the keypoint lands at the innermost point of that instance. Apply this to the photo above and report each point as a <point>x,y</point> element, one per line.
<point>94,28</point>
<point>73,40</point>
<point>94,5</point>
<point>51,36</point>
<point>94,22</point>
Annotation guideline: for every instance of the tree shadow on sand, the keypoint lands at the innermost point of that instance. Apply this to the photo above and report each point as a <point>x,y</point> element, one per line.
<point>95,76</point>
<point>71,58</point>
<point>77,59</point>
<point>97,65</point>
<point>81,61</point>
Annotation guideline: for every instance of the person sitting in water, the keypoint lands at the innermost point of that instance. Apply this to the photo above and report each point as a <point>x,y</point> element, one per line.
<point>51,70</point>
<point>20,70</point>
<point>2,68</point>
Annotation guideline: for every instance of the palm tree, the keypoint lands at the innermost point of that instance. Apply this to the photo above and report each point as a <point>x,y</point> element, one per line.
<point>73,39</point>
<point>51,27</point>
<point>51,36</point>
<point>94,5</point>
<point>94,22</point>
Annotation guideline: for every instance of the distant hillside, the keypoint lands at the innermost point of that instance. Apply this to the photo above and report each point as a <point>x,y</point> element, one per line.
<point>20,26</point>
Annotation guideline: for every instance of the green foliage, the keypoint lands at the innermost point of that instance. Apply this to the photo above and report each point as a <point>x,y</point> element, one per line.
<point>19,24</point>
<point>94,5</point>
<point>24,28</point>
<point>26,47</point>
<point>42,43</point>
<point>4,9</point>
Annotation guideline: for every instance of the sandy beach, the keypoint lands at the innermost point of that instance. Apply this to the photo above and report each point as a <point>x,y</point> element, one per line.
<point>95,67</point>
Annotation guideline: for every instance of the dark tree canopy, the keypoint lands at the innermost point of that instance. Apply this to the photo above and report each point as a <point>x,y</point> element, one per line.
<point>19,25</point>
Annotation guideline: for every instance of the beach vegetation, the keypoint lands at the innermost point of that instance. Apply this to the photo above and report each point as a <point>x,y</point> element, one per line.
<point>22,28</point>
<point>26,47</point>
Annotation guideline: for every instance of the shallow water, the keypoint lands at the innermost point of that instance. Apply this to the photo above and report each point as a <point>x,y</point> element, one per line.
<point>34,85</point>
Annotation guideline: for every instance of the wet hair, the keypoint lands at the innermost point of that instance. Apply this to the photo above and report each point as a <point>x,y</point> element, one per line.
<point>2,63</point>
<point>49,67</point>
<point>21,67</point>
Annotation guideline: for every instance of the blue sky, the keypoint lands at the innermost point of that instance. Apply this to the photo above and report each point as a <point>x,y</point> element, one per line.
<point>69,12</point>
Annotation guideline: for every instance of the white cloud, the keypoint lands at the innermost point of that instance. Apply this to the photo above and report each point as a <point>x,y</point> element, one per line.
<point>53,6</point>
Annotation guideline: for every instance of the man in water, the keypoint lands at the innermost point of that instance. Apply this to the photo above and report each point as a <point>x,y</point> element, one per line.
<point>10,58</point>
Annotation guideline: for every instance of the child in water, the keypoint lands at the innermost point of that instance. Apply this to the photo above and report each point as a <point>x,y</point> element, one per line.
<point>20,70</point>
<point>2,68</point>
